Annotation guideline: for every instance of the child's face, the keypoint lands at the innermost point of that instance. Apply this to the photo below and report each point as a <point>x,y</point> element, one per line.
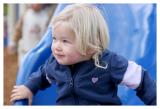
<point>64,46</point>
<point>36,7</point>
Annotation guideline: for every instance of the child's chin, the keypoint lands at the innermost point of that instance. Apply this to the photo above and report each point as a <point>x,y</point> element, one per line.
<point>65,63</point>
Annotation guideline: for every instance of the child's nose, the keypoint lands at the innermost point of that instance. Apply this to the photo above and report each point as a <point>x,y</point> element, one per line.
<point>58,46</point>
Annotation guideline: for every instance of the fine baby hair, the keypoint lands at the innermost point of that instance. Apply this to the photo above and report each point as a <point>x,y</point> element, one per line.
<point>89,26</point>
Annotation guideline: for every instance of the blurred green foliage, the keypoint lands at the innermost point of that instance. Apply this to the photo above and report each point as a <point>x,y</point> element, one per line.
<point>5,9</point>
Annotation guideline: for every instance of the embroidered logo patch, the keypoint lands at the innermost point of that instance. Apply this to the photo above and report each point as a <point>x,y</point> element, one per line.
<point>94,79</point>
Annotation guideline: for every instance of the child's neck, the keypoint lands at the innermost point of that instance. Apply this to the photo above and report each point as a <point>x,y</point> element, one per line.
<point>71,67</point>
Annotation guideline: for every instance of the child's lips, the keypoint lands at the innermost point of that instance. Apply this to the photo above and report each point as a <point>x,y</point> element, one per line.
<point>59,55</point>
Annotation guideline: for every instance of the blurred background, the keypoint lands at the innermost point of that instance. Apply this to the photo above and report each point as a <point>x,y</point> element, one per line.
<point>22,31</point>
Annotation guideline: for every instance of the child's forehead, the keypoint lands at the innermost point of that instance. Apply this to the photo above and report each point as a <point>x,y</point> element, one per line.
<point>63,30</point>
<point>62,25</point>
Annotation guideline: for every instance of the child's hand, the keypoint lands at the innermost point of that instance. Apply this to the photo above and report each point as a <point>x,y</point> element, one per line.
<point>21,92</point>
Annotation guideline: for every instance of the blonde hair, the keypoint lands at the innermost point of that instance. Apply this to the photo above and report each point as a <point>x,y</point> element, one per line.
<point>90,28</point>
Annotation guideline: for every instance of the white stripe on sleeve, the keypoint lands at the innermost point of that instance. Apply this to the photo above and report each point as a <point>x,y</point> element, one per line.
<point>132,76</point>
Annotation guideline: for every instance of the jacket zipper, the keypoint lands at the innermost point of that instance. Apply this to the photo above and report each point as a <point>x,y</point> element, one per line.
<point>72,86</point>
<point>75,96</point>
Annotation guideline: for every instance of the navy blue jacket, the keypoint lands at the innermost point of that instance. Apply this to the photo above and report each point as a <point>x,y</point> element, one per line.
<point>86,84</point>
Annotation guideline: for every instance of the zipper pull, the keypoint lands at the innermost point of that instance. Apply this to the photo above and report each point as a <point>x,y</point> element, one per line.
<point>71,83</point>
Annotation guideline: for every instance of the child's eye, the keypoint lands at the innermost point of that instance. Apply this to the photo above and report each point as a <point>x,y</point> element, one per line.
<point>54,38</point>
<point>65,41</point>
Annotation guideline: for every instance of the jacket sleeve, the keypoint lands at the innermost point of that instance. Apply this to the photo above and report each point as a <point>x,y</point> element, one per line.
<point>147,89</point>
<point>118,66</point>
<point>132,75</point>
<point>38,80</point>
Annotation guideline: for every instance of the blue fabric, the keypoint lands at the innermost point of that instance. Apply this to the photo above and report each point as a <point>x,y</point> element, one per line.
<point>86,84</point>
<point>132,29</point>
